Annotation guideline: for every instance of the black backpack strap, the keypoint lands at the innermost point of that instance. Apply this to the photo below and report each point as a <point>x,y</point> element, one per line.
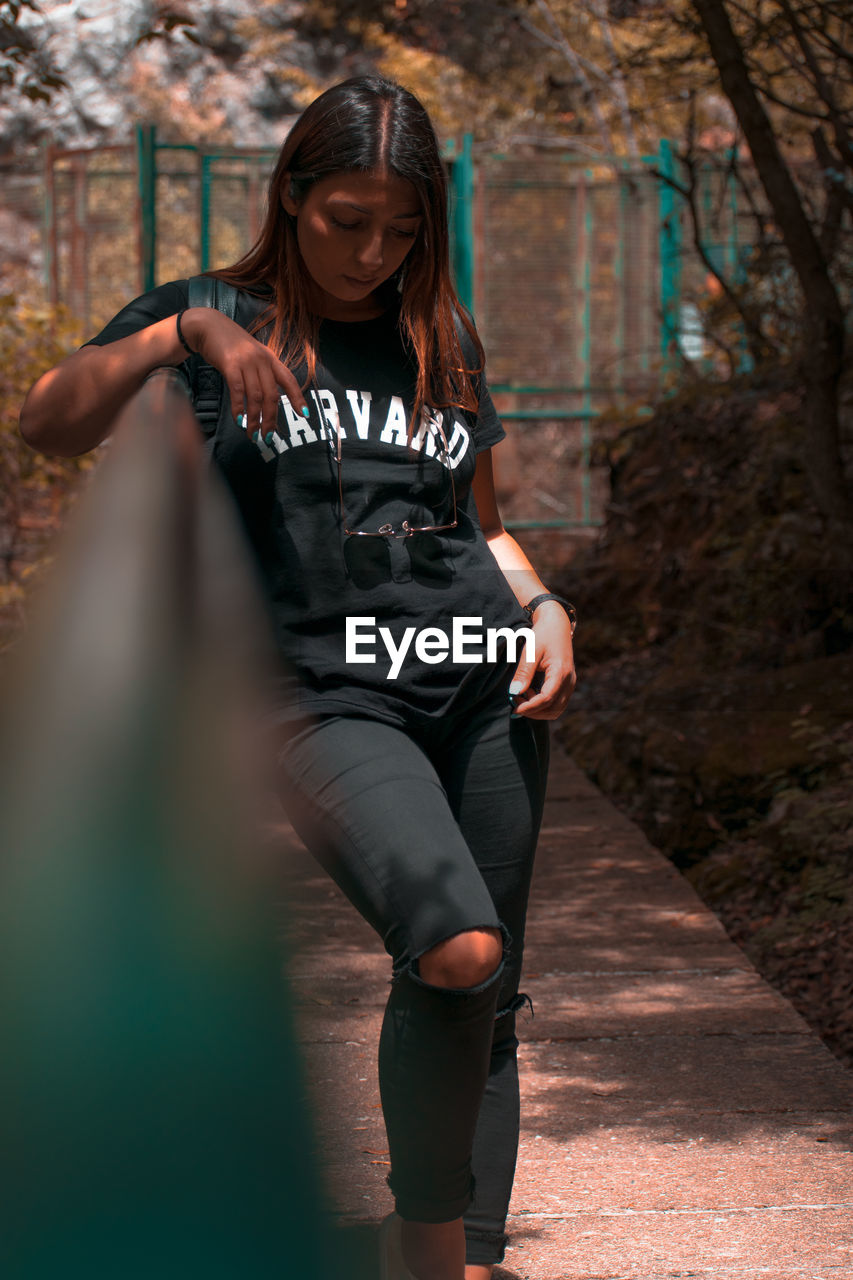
<point>206,382</point>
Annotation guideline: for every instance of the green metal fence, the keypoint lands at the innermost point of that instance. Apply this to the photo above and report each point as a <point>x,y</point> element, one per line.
<point>581,277</point>
<point>121,219</point>
<point>574,274</point>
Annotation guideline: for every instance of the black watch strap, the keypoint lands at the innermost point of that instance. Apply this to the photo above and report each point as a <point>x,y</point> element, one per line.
<point>533,605</point>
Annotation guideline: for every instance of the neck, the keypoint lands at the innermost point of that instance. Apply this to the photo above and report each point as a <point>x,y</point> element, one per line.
<point>328,307</point>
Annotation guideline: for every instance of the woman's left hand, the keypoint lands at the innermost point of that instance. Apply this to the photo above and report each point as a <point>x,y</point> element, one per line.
<point>554,660</point>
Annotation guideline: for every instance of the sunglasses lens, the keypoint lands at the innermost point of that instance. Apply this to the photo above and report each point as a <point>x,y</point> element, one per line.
<point>387,530</point>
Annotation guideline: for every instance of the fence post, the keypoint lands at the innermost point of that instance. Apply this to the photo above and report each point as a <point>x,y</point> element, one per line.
<point>78,273</point>
<point>146,167</point>
<point>204,207</point>
<point>583,277</point>
<point>51,244</point>
<point>670,257</point>
<point>619,271</point>
<point>463,222</point>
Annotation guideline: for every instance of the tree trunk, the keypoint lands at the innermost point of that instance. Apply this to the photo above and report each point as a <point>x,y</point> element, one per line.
<point>823,322</point>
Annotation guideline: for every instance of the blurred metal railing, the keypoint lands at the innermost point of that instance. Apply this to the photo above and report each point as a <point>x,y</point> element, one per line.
<point>151,1099</point>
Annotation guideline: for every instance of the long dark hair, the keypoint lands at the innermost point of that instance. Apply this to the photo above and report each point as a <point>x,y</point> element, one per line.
<point>365,125</point>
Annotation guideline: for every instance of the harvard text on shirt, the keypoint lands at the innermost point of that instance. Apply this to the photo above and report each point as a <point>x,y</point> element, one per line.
<point>360,419</point>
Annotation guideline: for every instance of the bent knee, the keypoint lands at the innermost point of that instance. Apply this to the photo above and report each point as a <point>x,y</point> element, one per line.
<point>465,960</point>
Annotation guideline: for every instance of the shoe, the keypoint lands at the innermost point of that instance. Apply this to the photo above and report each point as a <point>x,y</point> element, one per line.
<point>391,1264</point>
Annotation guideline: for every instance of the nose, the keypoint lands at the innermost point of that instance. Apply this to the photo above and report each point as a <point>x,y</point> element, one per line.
<point>371,254</point>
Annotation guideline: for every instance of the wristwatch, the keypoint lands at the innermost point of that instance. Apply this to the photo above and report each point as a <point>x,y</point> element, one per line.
<point>533,604</point>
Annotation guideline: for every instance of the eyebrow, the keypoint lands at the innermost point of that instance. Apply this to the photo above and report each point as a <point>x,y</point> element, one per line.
<point>360,209</point>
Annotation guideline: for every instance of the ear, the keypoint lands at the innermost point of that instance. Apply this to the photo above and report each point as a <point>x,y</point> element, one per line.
<point>289,203</point>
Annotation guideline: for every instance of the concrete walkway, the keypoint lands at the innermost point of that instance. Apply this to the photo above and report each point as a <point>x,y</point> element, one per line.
<point>679,1118</point>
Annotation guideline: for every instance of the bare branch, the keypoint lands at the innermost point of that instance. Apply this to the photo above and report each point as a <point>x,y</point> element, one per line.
<point>823,328</point>
<point>580,71</point>
<point>541,36</point>
<point>842,138</point>
<point>558,43</point>
<point>549,141</point>
<point>620,91</point>
<point>844,53</point>
<point>757,340</point>
<point>838,197</point>
<point>806,66</point>
<point>792,106</point>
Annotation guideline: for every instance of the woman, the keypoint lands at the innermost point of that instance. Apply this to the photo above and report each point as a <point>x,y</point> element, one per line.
<point>416,747</point>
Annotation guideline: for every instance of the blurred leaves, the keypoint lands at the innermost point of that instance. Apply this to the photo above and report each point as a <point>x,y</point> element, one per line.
<point>33,488</point>
<point>26,66</point>
<point>165,23</point>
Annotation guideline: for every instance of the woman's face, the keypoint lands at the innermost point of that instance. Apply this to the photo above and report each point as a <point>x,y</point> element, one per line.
<point>354,230</point>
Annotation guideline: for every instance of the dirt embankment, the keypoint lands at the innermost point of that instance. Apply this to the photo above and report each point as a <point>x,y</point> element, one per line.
<point>715,701</point>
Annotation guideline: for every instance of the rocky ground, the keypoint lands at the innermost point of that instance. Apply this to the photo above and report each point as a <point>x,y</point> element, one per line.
<point>715,704</point>
<point>747,784</point>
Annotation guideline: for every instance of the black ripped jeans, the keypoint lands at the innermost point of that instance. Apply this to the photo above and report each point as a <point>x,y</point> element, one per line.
<point>430,832</point>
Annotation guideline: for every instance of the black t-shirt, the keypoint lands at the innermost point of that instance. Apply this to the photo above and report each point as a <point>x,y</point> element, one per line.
<point>321,580</point>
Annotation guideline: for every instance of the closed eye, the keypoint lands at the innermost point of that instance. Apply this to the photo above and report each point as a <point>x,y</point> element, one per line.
<point>402,232</point>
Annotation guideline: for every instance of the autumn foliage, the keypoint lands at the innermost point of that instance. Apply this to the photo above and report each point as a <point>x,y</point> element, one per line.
<point>34,490</point>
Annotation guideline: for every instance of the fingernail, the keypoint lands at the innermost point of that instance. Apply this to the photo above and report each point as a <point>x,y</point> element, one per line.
<point>515,687</point>
<point>256,437</point>
<point>306,412</point>
<point>268,438</point>
<point>241,421</point>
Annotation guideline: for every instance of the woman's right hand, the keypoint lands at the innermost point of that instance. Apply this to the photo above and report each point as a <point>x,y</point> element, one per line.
<point>253,376</point>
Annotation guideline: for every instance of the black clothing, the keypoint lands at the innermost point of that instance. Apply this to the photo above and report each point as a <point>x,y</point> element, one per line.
<point>421,794</point>
<point>317,576</point>
<point>430,833</point>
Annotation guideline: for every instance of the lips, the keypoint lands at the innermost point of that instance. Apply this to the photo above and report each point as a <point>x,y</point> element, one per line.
<point>361,283</point>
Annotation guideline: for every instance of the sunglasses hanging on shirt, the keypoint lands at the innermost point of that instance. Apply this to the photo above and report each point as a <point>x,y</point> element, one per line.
<point>406,529</point>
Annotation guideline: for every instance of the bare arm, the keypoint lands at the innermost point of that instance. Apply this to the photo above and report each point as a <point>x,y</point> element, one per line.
<point>551,626</point>
<point>73,407</point>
